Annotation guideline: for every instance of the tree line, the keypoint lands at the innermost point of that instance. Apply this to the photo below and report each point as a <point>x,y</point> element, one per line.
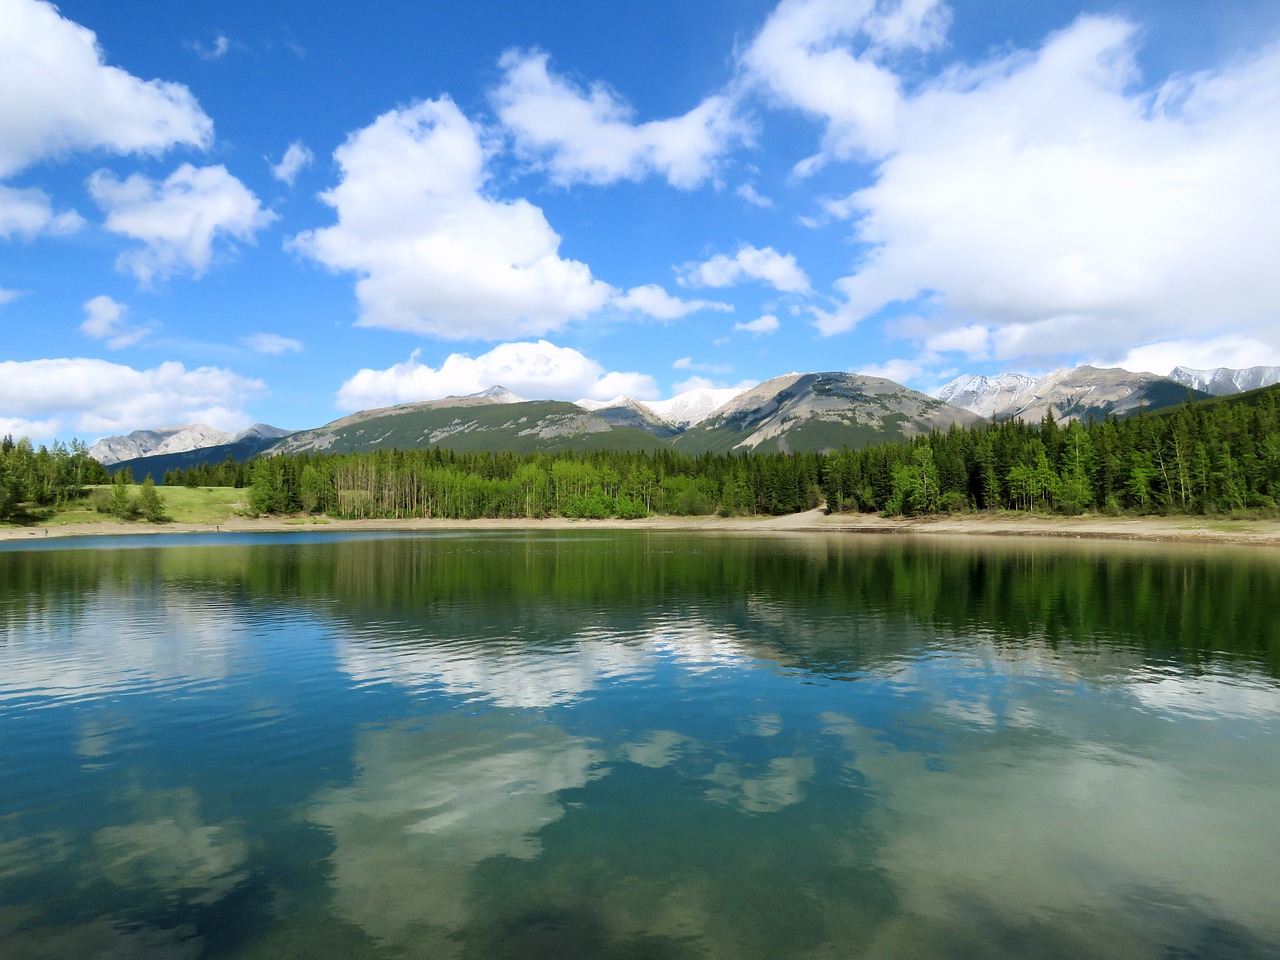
<point>1208,457</point>
<point>437,482</point>
<point>44,477</point>
<point>1197,458</point>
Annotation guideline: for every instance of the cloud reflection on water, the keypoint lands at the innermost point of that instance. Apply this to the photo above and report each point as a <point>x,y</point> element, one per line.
<point>431,802</point>
<point>1065,814</point>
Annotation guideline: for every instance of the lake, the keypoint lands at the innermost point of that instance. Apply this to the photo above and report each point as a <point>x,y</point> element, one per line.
<point>637,745</point>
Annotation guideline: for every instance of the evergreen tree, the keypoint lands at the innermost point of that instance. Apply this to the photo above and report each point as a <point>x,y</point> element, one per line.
<point>150,503</point>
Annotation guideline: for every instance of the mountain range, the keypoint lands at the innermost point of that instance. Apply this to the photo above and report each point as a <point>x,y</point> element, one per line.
<point>797,412</point>
<point>1224,381</point>
<point>1080,393</point>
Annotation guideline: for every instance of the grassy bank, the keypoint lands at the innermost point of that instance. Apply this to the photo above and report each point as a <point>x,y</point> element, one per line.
<point>190,505</point>
<point>199,509</point>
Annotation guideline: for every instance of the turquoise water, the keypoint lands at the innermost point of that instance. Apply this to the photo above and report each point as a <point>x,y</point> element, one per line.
<point>635,745</point>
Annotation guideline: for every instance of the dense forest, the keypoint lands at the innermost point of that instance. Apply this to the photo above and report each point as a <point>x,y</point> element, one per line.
<point>1208,457</point>
<point>42,478</point>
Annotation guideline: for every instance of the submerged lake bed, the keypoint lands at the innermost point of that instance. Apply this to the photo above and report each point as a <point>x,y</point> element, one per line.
<point>637,744</point>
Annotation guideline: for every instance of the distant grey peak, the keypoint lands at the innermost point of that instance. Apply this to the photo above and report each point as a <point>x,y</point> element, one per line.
<point>146,443</point>
<point>193,438</point>
<point>495,394</point>
<point>1223,381</point>
<point>500,394</point>
<point>261,431</point>
<point>987,396</point>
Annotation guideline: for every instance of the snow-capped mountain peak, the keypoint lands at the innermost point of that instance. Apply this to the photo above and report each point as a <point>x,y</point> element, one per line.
<point>987,396</point>
<point>692,406</point>
<point>1222,381</point>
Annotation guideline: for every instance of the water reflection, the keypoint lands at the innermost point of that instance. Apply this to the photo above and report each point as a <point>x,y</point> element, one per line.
<point>169,849</point>
<point>431,803</point>
<point>637,745</point>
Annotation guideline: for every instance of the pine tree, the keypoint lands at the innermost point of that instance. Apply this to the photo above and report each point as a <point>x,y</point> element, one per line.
<point>150,503</point>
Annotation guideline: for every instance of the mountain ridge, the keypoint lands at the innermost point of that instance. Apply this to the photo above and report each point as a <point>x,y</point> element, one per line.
<point>1071,393</point>
<point>796,412</point>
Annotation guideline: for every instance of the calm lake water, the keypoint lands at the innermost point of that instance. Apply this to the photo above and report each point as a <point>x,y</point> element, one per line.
<point>637,745</point>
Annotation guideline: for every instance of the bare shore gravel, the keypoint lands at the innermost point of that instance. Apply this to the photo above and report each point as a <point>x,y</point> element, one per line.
<point>1184,529</point>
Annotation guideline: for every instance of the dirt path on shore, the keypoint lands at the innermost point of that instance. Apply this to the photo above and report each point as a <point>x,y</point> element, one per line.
<point>1184,529</point>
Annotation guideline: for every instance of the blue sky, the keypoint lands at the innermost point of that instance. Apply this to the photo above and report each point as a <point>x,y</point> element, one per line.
<point>280,212</point>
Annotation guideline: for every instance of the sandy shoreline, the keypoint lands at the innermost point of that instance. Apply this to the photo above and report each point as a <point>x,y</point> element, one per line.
<point>1178,529</point>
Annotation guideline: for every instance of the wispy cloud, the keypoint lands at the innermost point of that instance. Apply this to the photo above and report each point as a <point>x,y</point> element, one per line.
<point>215,49</point>
<point>271,343</point>
<point>766,324</point>
<point>687,363</point>
<point>750,194</point>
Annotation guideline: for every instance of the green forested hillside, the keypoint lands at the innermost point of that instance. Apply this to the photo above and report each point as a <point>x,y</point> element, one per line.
<point>1213,456</point>
<point>1202,457</point>
<point>1206,457</point>
<point>526,427</point>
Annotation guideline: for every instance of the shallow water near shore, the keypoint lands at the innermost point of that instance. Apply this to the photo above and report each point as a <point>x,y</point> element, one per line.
<point>635,744</point>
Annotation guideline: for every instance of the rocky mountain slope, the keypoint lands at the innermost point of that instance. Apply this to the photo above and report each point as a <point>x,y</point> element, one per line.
<point>1093,393</point>
<point>987,396</point>
<point>171,440</point>
<point>1089,393</point>
<point>819,411</point>
<point>243,446</point>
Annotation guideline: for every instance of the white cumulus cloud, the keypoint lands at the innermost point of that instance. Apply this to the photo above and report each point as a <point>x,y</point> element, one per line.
<point>178,219</point>
<point>29,211</point>
<point>65,98</point>
<point>538,370</point>
<point>591,136</point>
<point>1051,197</point>
<point>1230,350</point>
<point>90,397</point>
<point>776,269</point>
<point>296,159</point>
<point>435,254</point>
<point>105,320</point>
<point>833,60</point>
<point>652,300</point>
<point>899,371</point>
